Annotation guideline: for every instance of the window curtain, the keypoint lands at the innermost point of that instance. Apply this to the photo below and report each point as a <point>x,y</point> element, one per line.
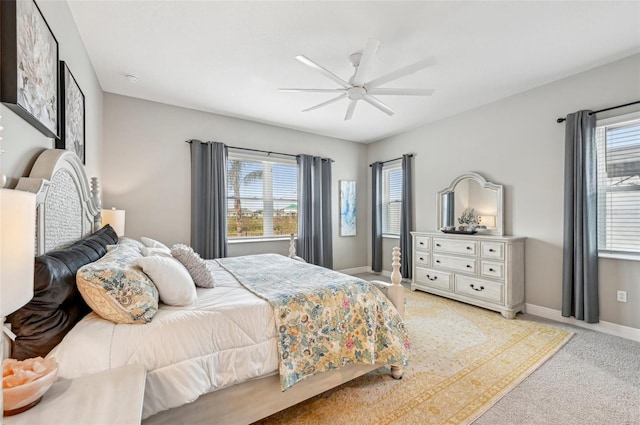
<point>315,241</point>
<point>376,216</point>
<point>580,262</point>
<point>406,218</point>
<point>209,199</point>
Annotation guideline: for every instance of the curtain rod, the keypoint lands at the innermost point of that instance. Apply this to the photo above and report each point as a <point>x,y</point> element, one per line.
<point>559,120</point>
<point>263,151</point>
<point>391,160</point>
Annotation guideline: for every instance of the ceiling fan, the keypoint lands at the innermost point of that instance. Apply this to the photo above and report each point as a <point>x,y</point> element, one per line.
<point>358,87</point>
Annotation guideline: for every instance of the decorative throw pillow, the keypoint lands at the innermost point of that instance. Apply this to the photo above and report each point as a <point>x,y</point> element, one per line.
<point>197,266</point>
<point>131,242</point>
<point>117,289</point>
<point>148,252</point>
<point>152,243</point>
<point>172,279</point>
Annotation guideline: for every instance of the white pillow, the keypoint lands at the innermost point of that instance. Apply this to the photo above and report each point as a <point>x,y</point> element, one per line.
<point>148,252</point>
<point>196,266</point>
<point>152,243</point>
<point>175,286</point>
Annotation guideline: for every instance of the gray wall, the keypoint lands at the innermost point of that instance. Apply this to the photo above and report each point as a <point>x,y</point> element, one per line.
<point>517,142</point>
<point>21,142</point>
<point>146,168</point>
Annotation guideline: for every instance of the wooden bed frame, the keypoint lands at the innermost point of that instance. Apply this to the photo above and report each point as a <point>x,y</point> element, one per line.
<point>68,209</point>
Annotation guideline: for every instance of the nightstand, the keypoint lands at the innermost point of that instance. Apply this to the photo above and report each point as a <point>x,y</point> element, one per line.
<point>110,397</point>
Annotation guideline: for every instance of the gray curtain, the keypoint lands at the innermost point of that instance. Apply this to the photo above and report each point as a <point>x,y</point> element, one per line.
<point>209,199</point>
<point>406,218</point>
<point>376,216</point>
<point>315,241</point>
<point>580,262</point>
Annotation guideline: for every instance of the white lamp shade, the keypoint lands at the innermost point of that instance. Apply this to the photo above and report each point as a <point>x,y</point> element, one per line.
<point>115,218</point>
<point>17,244</point>
<point>487,220</point>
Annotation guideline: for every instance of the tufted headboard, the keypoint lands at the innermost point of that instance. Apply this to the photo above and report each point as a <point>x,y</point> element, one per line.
<point>67,209</point>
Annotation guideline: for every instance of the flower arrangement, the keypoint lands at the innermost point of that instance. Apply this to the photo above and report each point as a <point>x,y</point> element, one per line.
<point>468,218</point>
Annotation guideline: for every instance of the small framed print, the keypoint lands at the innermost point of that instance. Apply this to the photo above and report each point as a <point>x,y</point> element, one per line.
<point>72,111</point>
<point>29,72</point>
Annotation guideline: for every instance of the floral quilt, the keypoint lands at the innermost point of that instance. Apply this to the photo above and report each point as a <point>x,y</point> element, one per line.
<point>325,319</point>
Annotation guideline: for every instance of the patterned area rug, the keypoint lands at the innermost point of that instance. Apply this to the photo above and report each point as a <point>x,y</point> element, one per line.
<point>463,360</point>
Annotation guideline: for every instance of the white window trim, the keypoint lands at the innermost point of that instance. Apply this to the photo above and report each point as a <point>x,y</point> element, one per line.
<point>388,169</point>
<point>603,253</point>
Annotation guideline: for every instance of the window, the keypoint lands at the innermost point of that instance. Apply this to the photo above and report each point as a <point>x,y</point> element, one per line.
<point>262,199</point>
<point>618,156</point>
<point>391,199</point>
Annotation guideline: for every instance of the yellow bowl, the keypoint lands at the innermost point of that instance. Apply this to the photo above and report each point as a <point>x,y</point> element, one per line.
<point>23,396</point>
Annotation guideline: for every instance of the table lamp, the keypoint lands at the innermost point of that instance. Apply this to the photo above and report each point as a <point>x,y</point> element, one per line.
<point>115,218</point>
<point>17,240</point>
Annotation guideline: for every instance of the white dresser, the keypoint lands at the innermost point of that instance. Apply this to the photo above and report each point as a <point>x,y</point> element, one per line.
<point>487,271</point>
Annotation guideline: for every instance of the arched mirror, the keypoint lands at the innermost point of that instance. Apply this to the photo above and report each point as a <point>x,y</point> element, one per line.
<point>471,204</point>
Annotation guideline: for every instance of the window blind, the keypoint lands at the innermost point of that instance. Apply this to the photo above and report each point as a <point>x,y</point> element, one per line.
<point>262,199</point>
<point>391,199</point>
<point>618,157</point>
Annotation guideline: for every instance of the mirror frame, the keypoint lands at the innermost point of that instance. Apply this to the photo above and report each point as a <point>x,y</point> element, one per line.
<point>484,184</point>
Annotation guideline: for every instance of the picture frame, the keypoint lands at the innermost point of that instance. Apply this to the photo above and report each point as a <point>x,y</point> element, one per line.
<point>29,65</point>
<point>72,114</point>
<point>348,208</point>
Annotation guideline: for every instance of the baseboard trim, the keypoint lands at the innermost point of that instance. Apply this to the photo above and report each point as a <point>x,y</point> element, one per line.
<point>356,270</point>
<point>604,327</point>
<point>385,273</point>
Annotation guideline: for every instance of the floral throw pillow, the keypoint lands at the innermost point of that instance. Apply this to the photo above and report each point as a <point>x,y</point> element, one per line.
<point>117,289</point>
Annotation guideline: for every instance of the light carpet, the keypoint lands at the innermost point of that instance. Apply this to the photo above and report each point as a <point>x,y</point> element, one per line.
<point>463,360</point>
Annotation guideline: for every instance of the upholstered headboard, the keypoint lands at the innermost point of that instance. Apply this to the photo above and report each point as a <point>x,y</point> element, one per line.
<point>67,209</point>
<point>67,237</point>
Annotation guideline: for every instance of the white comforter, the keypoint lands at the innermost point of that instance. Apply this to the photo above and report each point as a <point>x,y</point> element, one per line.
<point>228,336</point>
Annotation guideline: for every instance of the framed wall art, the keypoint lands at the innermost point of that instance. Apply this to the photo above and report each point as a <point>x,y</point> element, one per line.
<point>72,109</point>
<point>347,208</point>
<point>29,65</point>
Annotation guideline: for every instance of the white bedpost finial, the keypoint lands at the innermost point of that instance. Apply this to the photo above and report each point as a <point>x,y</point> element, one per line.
<point>396,277</point>
<point>292,246</point>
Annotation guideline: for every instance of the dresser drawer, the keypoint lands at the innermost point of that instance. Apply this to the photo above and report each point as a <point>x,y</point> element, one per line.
<point>466,265</point>
<point>423,259</point>
<point>434,278</point>
<point>422,243</point>
<point>481,289</point>
<point>455,246</point>
<point>493,250</point>
<point>492,269</point>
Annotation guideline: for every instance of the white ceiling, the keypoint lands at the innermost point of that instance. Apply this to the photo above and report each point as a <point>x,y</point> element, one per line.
<point>231,57</point>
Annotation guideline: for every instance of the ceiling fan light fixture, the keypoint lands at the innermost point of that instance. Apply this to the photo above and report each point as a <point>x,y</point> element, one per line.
<point>359,87</point>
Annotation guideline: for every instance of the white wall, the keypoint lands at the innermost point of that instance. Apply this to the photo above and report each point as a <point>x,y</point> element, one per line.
<point>21,142</point>
<point>146,169</point>
<point>517,142</point>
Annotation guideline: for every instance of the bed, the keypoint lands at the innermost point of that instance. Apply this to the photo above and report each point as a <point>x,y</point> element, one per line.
<point>210,359</point>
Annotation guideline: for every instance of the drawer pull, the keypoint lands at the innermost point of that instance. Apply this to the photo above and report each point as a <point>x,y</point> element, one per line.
<point>438,244</point>
<point>421,243</point>
<point>432,278</point>
<point>438,261</point>
<point>492,250</point>
<point>469,248</point>
<point>476,289</point>
<point>421,259</point>
<point>469,267</point>
<point>491,270</point>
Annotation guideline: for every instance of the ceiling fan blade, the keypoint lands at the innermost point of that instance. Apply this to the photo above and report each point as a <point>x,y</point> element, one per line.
<point>375,102</point>
<point>410,69</point>
<point>328,102</point>
<point>311,90</point>
<point>402,92</point>
<point>366,62</point>
<point>350,109</point>
<point>305,60</point>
